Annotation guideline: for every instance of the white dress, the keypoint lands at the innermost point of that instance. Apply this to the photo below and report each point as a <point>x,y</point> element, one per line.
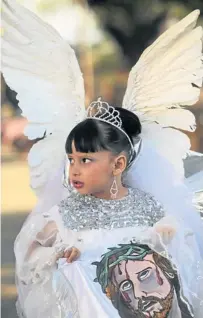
<point>124,270</point>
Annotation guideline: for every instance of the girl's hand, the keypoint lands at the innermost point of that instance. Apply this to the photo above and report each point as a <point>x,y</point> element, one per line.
<point>72,254</point>
<point>166,231</point>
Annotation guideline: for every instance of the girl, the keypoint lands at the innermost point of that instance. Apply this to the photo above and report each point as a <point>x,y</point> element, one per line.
<point>105,246</point>
<point>109,239</point>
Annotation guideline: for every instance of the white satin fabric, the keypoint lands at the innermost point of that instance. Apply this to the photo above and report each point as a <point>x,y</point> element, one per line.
<point>47,289</point>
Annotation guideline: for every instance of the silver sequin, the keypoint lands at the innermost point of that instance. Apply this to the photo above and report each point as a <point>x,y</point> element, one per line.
<point>88,212</point>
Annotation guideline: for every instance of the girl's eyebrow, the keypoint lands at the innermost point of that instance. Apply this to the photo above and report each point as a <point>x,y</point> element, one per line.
<point>82,154</point>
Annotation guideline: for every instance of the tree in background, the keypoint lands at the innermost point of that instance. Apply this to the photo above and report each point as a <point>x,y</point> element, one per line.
<point>135,24</point>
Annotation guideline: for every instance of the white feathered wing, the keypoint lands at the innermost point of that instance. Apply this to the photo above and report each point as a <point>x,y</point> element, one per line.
<point>42,68</point>
<point>167,77</point>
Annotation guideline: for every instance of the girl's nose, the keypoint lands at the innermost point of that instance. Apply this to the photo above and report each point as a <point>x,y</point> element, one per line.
<point>76,171</point>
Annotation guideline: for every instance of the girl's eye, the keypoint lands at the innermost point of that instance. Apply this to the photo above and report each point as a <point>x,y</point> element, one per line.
<point>86,160</point>
<point>70,160</point>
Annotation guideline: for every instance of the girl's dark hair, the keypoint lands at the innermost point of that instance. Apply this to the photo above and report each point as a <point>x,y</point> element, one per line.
<point>92,135</point>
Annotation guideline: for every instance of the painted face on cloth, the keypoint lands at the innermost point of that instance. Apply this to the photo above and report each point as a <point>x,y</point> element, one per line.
<point>143,287</point>
<point>140,282</point>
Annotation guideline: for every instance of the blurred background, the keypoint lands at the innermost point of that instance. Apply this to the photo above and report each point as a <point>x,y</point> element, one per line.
<point>108,37</point>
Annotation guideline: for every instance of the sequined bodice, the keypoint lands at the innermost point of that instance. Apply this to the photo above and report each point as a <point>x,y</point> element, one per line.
<point>88,212</point>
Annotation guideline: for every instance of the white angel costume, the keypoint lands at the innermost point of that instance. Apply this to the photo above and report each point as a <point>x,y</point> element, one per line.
<point>125,269</point>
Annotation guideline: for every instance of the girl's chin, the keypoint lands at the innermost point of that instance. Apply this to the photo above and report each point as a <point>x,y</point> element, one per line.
<point>83,191</point>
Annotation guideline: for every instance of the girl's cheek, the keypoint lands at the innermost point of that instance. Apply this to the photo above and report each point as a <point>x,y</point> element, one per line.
<point>95,170</point>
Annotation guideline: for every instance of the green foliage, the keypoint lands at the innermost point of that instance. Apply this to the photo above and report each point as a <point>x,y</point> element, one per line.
<point>132,24</point>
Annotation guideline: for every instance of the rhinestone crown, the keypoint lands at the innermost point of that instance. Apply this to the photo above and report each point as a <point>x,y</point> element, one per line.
<point>102,111</point>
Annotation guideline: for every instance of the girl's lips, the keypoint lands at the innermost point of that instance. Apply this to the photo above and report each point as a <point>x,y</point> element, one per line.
<point>77,184</point>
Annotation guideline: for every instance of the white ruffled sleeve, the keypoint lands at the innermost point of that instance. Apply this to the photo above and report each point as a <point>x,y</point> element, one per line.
<point>38,247</point>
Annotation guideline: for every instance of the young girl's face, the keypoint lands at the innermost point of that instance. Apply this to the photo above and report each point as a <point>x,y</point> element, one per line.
<point>91,173</point>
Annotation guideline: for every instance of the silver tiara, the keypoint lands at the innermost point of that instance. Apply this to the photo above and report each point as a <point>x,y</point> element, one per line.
<point>104,112</point>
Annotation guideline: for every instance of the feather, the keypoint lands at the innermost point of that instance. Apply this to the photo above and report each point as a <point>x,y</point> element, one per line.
<point>179,118</point>
<point>170,143</point>
<point>42,68</point>
<point>168,72</point>
<point>168,76</point>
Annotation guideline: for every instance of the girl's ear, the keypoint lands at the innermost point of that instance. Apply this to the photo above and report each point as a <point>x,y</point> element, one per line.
<point>120,164</point>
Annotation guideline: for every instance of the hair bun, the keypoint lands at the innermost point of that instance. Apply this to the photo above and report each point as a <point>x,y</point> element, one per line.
<point>130,122</point>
